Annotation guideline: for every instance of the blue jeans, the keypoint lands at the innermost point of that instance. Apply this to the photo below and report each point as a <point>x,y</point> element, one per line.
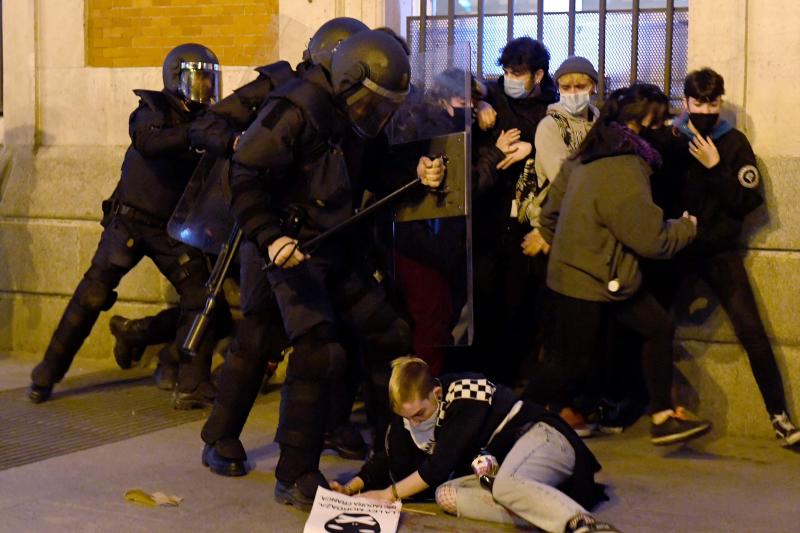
<point>525,490</point>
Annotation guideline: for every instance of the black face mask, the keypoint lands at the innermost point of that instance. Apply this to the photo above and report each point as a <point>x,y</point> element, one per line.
<point>460,117</point>
<point>704,122</point>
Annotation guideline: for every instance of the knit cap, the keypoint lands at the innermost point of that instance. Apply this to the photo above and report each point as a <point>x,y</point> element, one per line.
<point>576,64</point>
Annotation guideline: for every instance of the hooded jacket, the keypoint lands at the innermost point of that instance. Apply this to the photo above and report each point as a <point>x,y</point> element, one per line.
<point>492,208</point>
<point>720,197</point>
<point>600,217</point>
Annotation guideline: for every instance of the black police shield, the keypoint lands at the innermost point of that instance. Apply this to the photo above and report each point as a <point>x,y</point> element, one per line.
<point>432,252</point>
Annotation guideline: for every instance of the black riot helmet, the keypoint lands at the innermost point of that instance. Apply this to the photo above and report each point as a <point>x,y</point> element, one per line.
<point>370,73</point>
<point>192,72</point>
<point>328,37</point>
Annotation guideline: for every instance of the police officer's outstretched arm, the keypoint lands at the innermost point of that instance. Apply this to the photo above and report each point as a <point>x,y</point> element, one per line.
<point>153,136</point>
<point>265,150</point>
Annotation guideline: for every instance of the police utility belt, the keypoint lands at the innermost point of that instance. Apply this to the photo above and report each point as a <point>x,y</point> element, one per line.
<point>116,207</point>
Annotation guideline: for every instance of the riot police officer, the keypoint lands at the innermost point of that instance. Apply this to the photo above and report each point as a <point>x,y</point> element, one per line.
<point>156,168</point>
<point>218,129</point>
<point>304,152</point>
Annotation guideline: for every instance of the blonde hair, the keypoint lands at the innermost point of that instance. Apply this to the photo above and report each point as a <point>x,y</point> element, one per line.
<point>411,380</point>
<point>575,77</point>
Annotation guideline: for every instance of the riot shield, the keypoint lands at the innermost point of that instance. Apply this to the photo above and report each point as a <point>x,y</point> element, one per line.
<point>202,217</point>
<point>431,230</point>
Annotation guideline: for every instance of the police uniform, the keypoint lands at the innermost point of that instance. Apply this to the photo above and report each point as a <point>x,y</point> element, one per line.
<point>156,168</point>
<point>302,154</point>
<point>155,171</point>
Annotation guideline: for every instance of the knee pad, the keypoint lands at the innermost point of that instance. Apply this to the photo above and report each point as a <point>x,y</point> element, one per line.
<point>188,269</point>
<point>317,355</point>
<point>95,295</point>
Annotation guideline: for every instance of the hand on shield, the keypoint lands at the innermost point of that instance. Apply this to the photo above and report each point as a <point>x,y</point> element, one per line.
<point>533,243</point>
<point>283,252</point>
<point>430,171</point>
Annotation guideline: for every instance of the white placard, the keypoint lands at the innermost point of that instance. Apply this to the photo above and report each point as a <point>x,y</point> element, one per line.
<point>336,513</point>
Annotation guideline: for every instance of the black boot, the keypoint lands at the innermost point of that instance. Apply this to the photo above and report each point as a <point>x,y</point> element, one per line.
<point>226,458</point>
<point>38,393</point>
<point>301,492</point>
<point>129,339</point>
<point>347,441</point>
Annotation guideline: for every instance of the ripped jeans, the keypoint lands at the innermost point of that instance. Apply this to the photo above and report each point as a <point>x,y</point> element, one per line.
<point>524,490</point>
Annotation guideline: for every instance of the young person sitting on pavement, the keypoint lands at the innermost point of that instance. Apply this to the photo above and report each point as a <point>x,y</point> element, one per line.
<point>533,468</point>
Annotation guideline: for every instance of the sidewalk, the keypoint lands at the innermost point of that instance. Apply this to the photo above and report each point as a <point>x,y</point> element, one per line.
<point>717,485</point>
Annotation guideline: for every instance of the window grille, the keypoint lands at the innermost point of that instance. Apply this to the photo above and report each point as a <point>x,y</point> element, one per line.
<point>627,40</point>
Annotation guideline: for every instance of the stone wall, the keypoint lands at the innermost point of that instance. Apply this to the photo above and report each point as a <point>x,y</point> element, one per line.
<point>755,46</point>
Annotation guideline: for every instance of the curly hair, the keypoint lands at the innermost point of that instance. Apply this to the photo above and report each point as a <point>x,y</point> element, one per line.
<point>525,53</point>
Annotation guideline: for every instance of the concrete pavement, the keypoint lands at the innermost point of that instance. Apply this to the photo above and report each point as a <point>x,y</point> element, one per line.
<point>716,485</point>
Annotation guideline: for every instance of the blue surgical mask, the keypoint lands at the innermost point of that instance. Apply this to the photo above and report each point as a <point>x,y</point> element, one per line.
<point>515,88</point>
<point>575,103</point>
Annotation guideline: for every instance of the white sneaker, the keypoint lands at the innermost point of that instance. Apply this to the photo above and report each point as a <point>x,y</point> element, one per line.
<point>785,430</point>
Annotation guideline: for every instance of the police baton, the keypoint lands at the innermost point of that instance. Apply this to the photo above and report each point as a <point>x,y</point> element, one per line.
<point>227,253</point>
<point>310,244</point>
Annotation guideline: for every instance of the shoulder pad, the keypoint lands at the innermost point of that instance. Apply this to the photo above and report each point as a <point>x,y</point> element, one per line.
<point>278,73</point>
<point>153,99</point>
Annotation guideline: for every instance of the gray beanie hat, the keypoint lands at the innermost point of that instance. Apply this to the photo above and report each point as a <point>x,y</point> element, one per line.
<point>576,64</point>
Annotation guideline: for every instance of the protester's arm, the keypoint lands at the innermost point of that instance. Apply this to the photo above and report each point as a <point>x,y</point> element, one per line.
<point>736,183</point>
<point>551,150</point>
<point>548,218</point>
<point>639,224</point>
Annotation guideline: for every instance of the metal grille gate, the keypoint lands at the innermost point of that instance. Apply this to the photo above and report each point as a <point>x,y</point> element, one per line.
<point>627,45</point>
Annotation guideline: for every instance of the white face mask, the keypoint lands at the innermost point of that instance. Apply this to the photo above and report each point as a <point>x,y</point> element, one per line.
<point>514,88</point>
<point>575,103</point>
<point>423,433</point>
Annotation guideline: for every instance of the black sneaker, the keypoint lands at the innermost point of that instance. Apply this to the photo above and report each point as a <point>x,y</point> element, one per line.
<point>347,441</point>
<point>680,426</point>
<point>38,393</point>
<point>301,493</point>
<point>586,523</point>
<point>785,430</point>
<point>612,417</point>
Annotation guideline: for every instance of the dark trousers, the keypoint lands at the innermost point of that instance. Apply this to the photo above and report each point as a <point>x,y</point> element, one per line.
<point>323,304</point>
<point>578,345</point>
<point>510,305</point>
<point>725,274</point>
<point>122,245</point>
<point>260,338</point>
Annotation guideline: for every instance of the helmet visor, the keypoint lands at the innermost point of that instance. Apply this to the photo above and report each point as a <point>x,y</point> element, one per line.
<point>369,111</point>
<point>200,82</point>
